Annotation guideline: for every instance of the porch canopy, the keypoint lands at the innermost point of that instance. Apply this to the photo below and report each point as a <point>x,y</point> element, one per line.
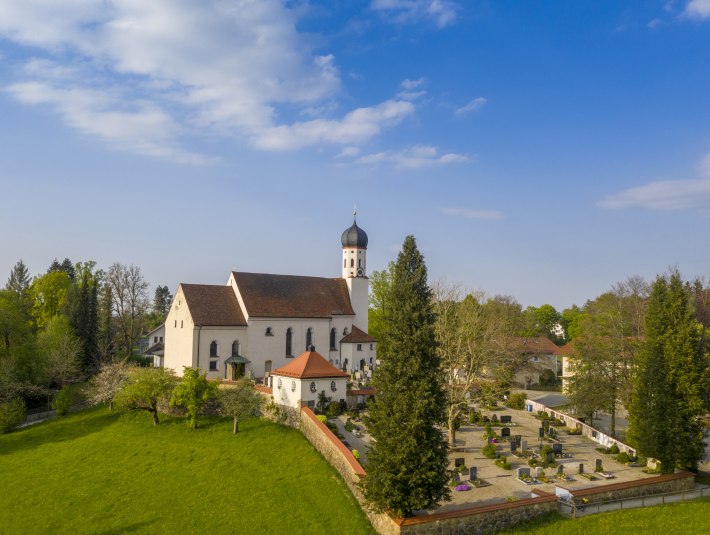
<point>237,359</point>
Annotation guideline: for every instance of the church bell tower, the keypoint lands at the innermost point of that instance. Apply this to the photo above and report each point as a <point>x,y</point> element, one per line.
<point>354,241</point>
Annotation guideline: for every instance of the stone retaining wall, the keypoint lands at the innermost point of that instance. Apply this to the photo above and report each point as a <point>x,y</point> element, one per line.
<point>667,483</point>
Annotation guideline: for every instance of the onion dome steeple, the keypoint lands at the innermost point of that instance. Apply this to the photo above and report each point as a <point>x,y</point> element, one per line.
<point>354,236</point>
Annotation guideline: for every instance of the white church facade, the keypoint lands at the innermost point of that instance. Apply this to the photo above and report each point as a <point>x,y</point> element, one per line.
<point>259,322</point>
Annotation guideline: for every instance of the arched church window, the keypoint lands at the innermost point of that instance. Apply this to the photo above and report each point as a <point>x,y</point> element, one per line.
<point>235,348</point>
<point>359,262</point>
<point>345,331</point>
<point>332,338</point>
<point>352,262</point>
<point>293,386</point>
<point>309,339</point>
<point>289,338</point>
<point>213,349</point>
<point>345,262</point>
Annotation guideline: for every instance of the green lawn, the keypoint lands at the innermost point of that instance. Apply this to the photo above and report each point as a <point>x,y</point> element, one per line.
<point>101,473</point>
<point>690,518</point>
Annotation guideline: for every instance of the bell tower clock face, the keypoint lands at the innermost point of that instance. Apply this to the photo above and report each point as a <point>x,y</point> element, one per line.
<point>359,272</point>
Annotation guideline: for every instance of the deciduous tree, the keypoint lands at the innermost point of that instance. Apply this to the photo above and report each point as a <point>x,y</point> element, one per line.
<point>108,382</point>
<point>241,401</point>
<point>129,299</point>
<point>146,389</point>
<point>192,393</point>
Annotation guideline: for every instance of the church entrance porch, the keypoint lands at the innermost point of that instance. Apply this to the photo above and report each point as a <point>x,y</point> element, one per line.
<point>237,366</point>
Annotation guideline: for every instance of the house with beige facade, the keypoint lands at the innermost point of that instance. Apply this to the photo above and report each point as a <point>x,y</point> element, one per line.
<point>258,322</point>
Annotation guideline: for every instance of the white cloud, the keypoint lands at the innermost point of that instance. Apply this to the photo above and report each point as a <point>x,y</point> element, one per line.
<point>442,12</point>
<point>349,152</point>
<point>195,66</point>
<point>654,23</point>
<point>412,84</point>
<point>472,106</point>
<point>697,9</point>
<point>490,215</point>
<point>666,194</point>
<point>414,157</point>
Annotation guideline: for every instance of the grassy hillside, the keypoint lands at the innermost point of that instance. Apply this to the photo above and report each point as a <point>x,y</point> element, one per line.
<point>689,518</point>
<point>102,473</point>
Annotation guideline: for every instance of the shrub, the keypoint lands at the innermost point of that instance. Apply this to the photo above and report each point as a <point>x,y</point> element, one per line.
<point>332,427</point>
<point>63,400</point>
<point>542,415</point>
<point>333,410</point>
<point>322,418</point>
<point>12,414</point>
<point>503,462</point>
<point>489,450</point>
<point>356,454</point>
<point>516,401</point>
<point>623,457</point>
<point>349,426</point>
<point>488,432</point>
<point>532,462</point>
<point>614,449</point>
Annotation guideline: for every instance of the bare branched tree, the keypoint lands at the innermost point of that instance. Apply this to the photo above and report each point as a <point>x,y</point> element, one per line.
<point>129,298</point>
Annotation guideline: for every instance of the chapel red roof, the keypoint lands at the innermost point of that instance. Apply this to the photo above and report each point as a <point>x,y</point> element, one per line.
<point>310,365</point>
<point>213,305</point>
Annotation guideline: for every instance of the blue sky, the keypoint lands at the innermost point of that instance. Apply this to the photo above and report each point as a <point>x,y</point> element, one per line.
<point>545,150</point>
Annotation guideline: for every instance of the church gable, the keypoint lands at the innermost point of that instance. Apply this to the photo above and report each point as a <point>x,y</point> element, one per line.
<point>290,296</point>
<point>213,305</point>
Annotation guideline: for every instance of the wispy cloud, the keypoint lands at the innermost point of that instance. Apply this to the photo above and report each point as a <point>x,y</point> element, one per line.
<point>411,89</point>
<point>442,12</point>
<point>654,23</point>
<point>697,9</point>
<point>414,157</point>
<point>150,73</point>
<point>471,106</point>
<point>666,194</point>
<point>467,213</point>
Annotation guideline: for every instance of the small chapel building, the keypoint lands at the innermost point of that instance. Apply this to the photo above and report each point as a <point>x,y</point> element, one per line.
<point>259,322</point>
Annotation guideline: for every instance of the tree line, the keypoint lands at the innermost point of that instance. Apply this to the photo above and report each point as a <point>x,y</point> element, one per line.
<point>61,326</point>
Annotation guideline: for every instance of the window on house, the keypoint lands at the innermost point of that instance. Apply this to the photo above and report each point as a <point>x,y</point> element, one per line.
<point>309,338</point>
<point>345,331</point>
<point>333,386</point>
<point>213,349</point>
<point>293,386</point>
<point>235,348</point>
<point>313,387</point>
<point>176,324</point>
<point>345,262</point>
<point>359,262</point>
<point>161,338</point>
<point>181,324</point>
<point>372,347</point>
<point>352,262</point>
<point>268,332</point>
<point>370,360</point>
<point>155,339</point>
<point>213,365</point>
<point>359,347</point>
<point>332,338</point>
<point>289,338</point>
<point>267,367</point>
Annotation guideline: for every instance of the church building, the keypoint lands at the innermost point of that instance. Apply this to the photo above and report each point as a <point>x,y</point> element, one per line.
<point>259,322</point>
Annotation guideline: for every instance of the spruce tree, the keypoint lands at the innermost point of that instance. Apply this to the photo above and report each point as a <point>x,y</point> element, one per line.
<point>668,397</point>
<point>407,462</point>
<point>19,281</point>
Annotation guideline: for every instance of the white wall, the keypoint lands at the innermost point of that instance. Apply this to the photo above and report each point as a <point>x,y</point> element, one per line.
<point>353,259</point>
<point>359,288</point>
<point>180,341</point>
<point>353,356</point>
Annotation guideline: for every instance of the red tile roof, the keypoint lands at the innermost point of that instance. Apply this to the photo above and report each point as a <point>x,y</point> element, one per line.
<point>213,305</point>
<point>567,349</point>
<point>291,296</point>
<point>538,345</point>
<point>358,336</point>
<point>310,365</point>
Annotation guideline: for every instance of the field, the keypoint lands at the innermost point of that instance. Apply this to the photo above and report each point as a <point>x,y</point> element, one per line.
<point>689,518</point>
<point>102,473</point>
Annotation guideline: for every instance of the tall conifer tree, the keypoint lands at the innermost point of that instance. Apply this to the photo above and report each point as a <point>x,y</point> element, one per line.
<point>407,462</point>
<point>667,401</point>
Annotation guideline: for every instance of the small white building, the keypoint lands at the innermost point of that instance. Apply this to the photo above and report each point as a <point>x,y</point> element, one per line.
<point>156,345</point>
<point>301,381</point>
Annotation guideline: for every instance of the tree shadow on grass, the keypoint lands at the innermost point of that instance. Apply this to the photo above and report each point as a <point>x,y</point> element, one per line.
<point>60,429</point>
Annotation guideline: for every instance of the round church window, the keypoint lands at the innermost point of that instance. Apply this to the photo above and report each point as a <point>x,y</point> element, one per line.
<point>313,386</point>
<point>293,386</point>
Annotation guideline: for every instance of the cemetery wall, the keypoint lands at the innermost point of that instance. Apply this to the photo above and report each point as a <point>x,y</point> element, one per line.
<point>343,461</point>
<point>678,482</point>
<point>481,519</point>
<point>587,430</point>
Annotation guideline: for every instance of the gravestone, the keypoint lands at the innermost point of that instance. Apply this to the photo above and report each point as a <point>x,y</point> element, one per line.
<point>523,445</point>
<point>557,449</point>
<point>473,473</point>
<point>549,457</point>
<point>551,432</point>
<point>539,471</point>
<point>505,432</point>
<point>459,461</point>
<point>541,432</point>
<point>560,470</point>
<point>518,439</point>
<point>523,471</point>
<point>513,446</point>
<point>546,425</point>
<point>494,419</point>
<point>506,419</point>
<point>581,468</point>
<point>486,420</point>
<point>598,466</point>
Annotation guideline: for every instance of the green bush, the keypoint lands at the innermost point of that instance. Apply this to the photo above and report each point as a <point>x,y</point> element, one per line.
<point>322,417</point>
<point>489,450</point>
<point>532,462</point>
<point>542,415</point>
<point>614,449</point>
<point>503,462</point>
<point>356,454</point>
<point>516,401</point>
<point>63,400</point>
<point>349,426</point>
<point>333,410</point>
<point>12,414</point>
<point>623,457</point>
